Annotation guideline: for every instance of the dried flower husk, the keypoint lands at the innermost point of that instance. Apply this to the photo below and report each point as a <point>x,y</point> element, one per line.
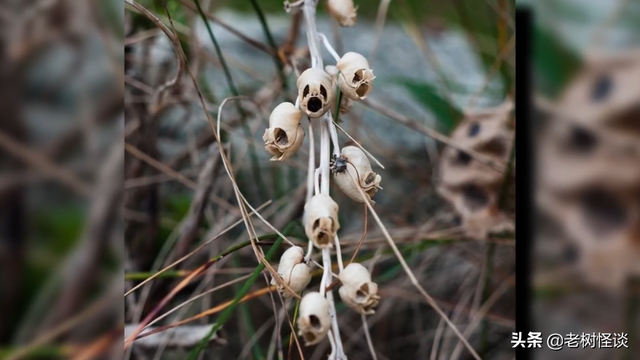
<point>315,92</point>
<point>321,220</point>
<point>358,291</point>
<point>285,134</point>
<point>358,168</point>
<point>314,320</point>
<point>355,78</point>
<point>295,273</point>
<point>343,11</point>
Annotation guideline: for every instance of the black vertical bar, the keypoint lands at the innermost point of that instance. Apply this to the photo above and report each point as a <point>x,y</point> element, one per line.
<point>524,180</point>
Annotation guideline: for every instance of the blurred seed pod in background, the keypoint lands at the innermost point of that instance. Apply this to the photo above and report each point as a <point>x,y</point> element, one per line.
<point>589,173</point>
<point>474,188</point>
<point>343,11</point>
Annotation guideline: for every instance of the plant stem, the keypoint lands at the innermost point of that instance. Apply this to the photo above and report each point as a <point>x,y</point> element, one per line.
<point>272,43</point>
<point>309,9</point>
<point>255,167</point>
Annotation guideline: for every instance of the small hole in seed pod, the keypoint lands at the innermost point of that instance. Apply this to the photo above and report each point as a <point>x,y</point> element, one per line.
<point>370,177</point>
<point>362,90</point>
<point>474,129</point>
<point>474,197</point>
<point>603,213</point>
<point>463,158</point>
<point>582,139</point>
<point>314,104</point>
<point>281,137</point>
<point>323,92</point>
<point>602,88</point>
<point>357,76</point>
<point>571,254</point>
<point>323,238</point>
<point>315,322</point>
<point>309,337</point>
<point>305,92</point>
<point>495,146</point>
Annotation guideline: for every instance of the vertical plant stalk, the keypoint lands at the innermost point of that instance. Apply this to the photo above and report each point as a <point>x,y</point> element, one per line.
<point>271,41</point>
<point>309,9</point>
<point>253,156</point>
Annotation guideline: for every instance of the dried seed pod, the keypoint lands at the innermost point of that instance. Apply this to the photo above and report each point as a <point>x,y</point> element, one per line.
<point>357,290</point>
<point>295,273</point>
<point>355,78</point>
<point>285,133</point>
<point>345,102</point>
<point>321,220</point>
<point>343,11</point>
<point>358,168</point>
<point>314,320</point>
<point>315,92</point>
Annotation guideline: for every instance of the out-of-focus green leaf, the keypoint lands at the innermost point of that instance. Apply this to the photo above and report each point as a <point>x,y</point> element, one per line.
<point>427,95</point>
<point>554,63</point>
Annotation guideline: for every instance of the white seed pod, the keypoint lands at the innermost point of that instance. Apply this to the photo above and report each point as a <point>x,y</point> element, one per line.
<point>295,273</point>
<point>358,291</point>
<point>321,220</point>
<point>355,78</point>
<point>356,166</point>
<point>314,320</point>
<point>315,92</point>
<point>343,11</point>
<point>285,134</point>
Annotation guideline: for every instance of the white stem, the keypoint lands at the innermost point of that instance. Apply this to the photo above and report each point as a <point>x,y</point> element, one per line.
<point>309,10</point>
<point>339,254</point>
<point>324,156</point>
<point>334,136</point>
<point>328,46</point>
<point>312,163</point>
<point>307,257</point>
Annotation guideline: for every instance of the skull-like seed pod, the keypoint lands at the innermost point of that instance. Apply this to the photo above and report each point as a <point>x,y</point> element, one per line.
<point>355,78</point>
<point>321,220</point>
<point>295,273</point>
<point>358,168</point>
<point>285,134</point>
<point>357,290</point>
<point>343,11</point>
<point>314,320</point>
<point>315,92</point>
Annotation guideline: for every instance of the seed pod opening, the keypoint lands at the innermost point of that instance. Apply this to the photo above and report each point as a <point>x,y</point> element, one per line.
<point>321,220</point>
<point>358,168</point>
<point>343,11</point>
<point>315,92</point>
<point>314,320</point>
<point>295,273</point>
<point>355,78</point>
<point>358,291</point>
<point>285,134</point>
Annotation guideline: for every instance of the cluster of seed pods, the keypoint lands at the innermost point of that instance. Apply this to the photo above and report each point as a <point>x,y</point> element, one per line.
<point>318,90</point>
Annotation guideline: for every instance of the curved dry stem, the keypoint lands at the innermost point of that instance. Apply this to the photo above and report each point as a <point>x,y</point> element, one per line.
<point>192,252</point>
<point>412,277</point>
<point>173,38</point>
